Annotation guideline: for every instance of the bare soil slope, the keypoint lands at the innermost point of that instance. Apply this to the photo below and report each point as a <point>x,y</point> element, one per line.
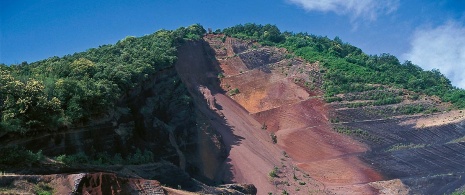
<point>251,154</point>
<point>272,119</point>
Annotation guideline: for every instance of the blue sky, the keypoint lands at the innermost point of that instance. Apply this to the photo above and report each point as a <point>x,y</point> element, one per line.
<point>430,33</point>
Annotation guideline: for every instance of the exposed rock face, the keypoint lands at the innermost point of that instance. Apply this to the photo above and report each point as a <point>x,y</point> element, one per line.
<point>243,188</point>
<point>104,183</point>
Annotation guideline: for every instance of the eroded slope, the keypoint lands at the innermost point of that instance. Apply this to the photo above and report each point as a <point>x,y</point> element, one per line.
<point>425,150</point>
<point>275,117</point>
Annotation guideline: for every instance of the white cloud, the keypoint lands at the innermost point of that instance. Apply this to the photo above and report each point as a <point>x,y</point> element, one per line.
<point>365,9</point>
<point>441,48</point>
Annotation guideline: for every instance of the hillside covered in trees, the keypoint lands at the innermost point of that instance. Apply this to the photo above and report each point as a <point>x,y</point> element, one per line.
<point>61,91</point>
<point>74,88</point>
<point>348,69</point>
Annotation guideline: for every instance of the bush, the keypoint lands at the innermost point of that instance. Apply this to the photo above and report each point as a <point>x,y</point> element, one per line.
<point>43,189</point>
<point>104,158</point>
<point>274,138</point>
<point>234,91</point>
<point>274,172</point>
<point>17,156</point>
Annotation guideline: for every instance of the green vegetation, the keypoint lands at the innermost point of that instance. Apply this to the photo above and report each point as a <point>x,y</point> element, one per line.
<point>27,187</point>
<point>234,91</point>
<point>357,133</point>
<point>104,158</point>
<point>17,157</point>
<point>274,172</point>
<point>347,69</point>
<point>407,109</point>
<point>405,146</point>
<point>43,189</point>
<point>75,88</point>
<point>285,192</point>
<point>458,193</point>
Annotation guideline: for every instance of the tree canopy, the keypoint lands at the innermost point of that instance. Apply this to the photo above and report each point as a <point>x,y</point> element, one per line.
<point>348,69</point>
<point>57,92</point>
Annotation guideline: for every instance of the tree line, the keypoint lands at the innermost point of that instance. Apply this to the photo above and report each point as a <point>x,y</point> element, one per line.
<point>62,91</point>
<point>348,69</point>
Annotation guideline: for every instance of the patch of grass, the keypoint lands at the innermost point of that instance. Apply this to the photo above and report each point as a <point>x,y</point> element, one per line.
<point>274,172</point>
<point>43,189</point>
<point>234,91</point>
<point>358,133</point>
<point>104,158</point>
<point>405,146</point>
<point>461,139</point>
<point>458,193</point>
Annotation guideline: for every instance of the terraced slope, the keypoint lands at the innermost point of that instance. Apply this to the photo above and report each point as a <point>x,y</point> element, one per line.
<point>251,153</point>
<point>347,147</point>
<point>426,151</point>
<point>274,116</point>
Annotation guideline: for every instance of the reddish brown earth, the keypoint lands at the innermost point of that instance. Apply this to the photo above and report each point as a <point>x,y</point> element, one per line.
<point>250,160</point>
<point>276,95</point>
<point>301,125</point>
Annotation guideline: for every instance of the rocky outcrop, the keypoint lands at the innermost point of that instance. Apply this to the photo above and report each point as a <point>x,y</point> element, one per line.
<point>100,183</point>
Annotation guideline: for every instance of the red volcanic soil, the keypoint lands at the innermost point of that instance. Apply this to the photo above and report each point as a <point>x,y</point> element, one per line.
<point>251,154</point>
<point>272,98</point>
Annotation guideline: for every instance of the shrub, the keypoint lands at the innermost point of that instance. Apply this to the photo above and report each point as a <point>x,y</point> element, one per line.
<point>43,189</point>
<point>274,138</point>
<point>104,158</point>
<point>17,156</point>
<point>234,91</point>
<point>274,172</point>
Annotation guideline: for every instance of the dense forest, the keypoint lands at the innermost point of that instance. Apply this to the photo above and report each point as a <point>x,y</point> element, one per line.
<point>348,69</point>
<point>58,92</point>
